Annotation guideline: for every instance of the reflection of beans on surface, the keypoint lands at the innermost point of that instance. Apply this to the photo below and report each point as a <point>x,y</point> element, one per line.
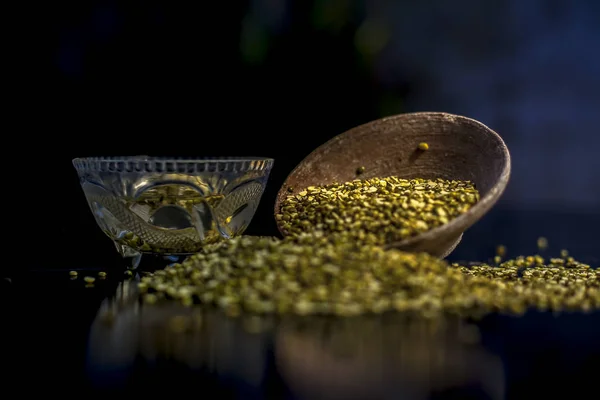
<point>407,353</point>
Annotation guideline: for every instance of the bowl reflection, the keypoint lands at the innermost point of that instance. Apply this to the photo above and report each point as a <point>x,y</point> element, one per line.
<point>393,356</point>
<point>373,357</point>
<point>125,332</point>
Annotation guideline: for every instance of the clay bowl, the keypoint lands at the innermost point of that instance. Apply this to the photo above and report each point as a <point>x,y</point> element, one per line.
<point>459,148</point>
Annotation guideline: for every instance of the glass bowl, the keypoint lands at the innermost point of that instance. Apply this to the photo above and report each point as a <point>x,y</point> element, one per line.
<point>171,206</point>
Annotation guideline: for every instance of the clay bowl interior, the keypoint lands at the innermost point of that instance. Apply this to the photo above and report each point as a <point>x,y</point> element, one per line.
<point>459,148</point>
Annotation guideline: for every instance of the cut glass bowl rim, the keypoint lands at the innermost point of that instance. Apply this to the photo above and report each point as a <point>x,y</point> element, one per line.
<point>172,164</point>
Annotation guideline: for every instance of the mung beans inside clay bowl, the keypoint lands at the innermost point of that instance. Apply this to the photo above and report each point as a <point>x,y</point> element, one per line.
<point>413,182</point>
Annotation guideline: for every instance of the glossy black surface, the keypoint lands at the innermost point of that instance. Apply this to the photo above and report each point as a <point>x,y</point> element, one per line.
<point>65,338</point>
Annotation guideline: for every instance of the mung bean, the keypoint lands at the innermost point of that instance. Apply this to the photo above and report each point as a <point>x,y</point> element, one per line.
<point>308,274</point>
<point>376,211</point>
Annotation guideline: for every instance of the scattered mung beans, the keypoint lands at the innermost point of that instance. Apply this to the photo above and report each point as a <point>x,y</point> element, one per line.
<point>308,274</point>
<point>501,250</point>
<point>542,243</point>
<point>556,284</point>
<point>376,211</point>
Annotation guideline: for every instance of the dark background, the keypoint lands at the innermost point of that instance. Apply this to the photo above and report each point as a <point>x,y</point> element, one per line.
<point>277,78</point>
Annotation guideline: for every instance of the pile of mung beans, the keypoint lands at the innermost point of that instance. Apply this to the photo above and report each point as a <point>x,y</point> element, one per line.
<point>376,211</point>
<point>332,261</point>
<point>308,274</point>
